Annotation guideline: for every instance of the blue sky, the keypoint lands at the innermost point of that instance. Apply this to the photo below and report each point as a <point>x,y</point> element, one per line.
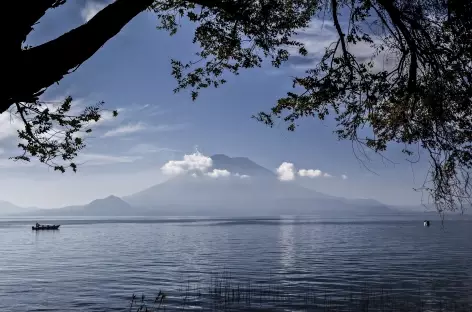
<point>132,73</point>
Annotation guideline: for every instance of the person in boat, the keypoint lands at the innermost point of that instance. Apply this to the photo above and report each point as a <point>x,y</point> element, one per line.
<point>37,224</point>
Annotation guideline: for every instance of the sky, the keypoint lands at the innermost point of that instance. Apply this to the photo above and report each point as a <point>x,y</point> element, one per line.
<point>131,73</point>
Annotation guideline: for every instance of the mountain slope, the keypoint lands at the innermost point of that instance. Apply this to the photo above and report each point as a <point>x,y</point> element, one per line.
<point>109,206</point>
<point>241,165</point>
<point>7,208</point>
<point>262,192</point>
<point>201,190</point>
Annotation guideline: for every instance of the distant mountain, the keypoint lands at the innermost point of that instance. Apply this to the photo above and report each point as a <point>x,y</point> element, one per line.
<point>431,208</point>
<point>205,190</point>
<point>109,206</point>
<point>9,209</point>
<point>259,194</point>
<point>241,165</point>
<point>365,202</point>
<point>262,193</point>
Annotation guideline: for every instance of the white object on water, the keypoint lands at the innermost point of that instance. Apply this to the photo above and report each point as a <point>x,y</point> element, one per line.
<point>426,223</point>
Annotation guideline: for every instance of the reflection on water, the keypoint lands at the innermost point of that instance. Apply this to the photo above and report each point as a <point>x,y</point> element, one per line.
<point>98,264</point>
<point>286,244</point>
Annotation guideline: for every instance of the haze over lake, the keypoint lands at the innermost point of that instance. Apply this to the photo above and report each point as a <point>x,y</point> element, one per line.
<point>96,264</point>
<point>148,241</point>
<point>221,185</point>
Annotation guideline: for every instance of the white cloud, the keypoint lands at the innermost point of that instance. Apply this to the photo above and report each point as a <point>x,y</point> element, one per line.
<point>126,129</point>
<point>320,34</point>
<point>148,109</point>
<point>219,173</point>
<point>91,9</point>
<point>9,124</point>
<point>78,106</point>
<point>153,109</point>
<point>103,159</point>
<point>313,173</point>
<point>242,176</point>
<point>144,148</point>
<point>286,172</point>
<point>310,173</point>
<point>137,107</point>
<point>106,116</point>
<point>195,163</point>
<point>139,127</point>
<point>344,177</point>
<point>10,163</point>
<point>166,128</point>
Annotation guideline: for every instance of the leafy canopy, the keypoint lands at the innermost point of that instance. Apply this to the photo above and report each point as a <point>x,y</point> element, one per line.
<point>422,101</point>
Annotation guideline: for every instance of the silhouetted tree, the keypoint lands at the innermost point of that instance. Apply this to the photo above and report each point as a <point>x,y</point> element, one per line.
<point>422,100</point>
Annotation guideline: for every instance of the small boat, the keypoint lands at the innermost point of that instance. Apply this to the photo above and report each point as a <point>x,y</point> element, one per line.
<point>426,223</point>
<point>45,227</point>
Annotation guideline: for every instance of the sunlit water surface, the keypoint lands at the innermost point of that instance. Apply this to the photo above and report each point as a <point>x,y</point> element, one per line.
<point>96,265</point>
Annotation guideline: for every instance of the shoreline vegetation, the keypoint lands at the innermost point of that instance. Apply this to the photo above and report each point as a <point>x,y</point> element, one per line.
<point>223,293</point>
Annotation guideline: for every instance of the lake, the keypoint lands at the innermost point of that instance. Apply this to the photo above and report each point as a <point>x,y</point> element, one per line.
<point>97,264</point>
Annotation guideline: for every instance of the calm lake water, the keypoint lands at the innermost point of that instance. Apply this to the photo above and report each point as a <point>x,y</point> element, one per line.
<point>96,265</point>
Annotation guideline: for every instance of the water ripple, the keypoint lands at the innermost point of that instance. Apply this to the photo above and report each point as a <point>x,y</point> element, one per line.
<point>95,265</point>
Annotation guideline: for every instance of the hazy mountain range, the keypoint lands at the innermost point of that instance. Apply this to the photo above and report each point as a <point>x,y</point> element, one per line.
<point>7,208</point>
<point>250,190</point>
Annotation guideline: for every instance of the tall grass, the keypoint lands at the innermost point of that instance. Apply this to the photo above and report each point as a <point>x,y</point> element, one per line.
<point>223,293</point>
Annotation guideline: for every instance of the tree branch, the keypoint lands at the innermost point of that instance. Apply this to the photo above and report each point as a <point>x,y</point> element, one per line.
<point>36,10</point>
<point>395,16</point>
<point>52,60</point>
<point>20,22</point>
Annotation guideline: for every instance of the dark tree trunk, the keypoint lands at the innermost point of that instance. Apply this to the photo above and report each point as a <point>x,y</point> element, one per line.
<point>29,72</point>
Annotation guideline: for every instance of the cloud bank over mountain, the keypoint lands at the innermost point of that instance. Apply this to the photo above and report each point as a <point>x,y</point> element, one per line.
<point>287,172</point>
<point>197,165</point>
<point>220,185</point>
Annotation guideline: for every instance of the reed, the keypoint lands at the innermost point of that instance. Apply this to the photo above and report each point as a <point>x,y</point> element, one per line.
<point>223,293</point>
